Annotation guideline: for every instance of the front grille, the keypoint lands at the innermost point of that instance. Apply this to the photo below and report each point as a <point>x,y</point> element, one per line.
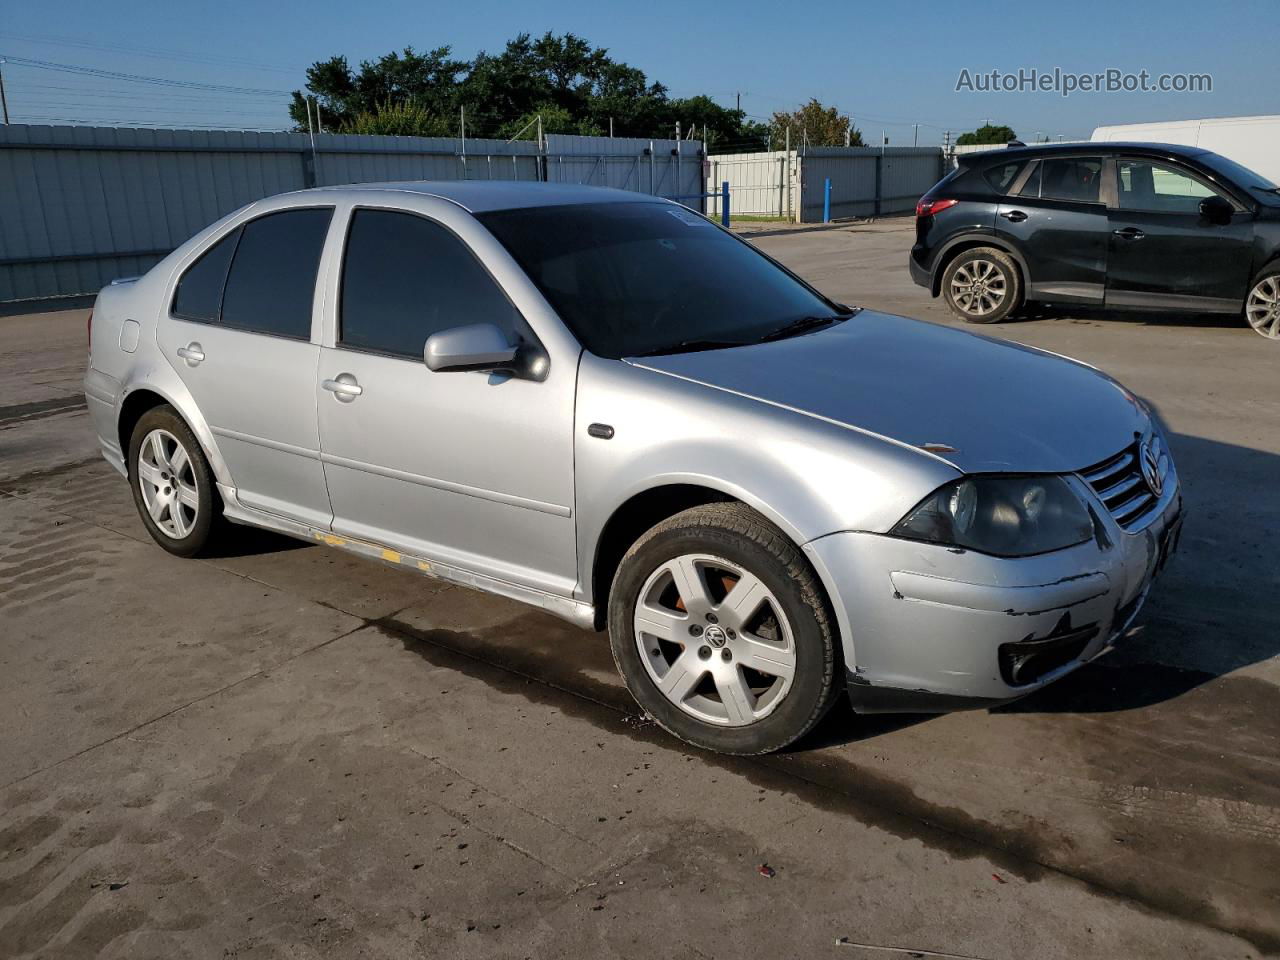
<point>1119,483</point>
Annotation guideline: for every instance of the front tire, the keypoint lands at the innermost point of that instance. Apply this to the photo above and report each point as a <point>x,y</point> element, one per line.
<point>172,483</point>
<point>1262,306</point>
<point>982,285</point>
<point>721,631</point>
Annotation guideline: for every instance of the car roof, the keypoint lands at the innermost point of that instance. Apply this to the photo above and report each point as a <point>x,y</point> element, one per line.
<point>479,196</point>
<point>1083,146</point>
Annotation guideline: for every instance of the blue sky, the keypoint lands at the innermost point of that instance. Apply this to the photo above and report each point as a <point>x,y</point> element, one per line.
<point>888,64</point>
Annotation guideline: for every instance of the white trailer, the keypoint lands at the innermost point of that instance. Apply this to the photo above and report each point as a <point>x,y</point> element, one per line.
<point>1253,142</point>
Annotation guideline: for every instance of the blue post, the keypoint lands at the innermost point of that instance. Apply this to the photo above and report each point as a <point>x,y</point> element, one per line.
<point>724,203</point>
<point>826,200</point>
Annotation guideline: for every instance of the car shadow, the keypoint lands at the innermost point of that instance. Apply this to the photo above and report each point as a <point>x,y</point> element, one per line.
<point>1214,610</point>
<point>252,542</point>
<point>1032,312</point>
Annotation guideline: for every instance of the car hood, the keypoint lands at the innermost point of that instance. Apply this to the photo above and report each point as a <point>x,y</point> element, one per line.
<point>999,406</point>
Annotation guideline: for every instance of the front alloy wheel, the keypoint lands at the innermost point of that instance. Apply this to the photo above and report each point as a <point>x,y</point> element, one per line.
<point>714,640</point>
<point>722,632</point>
<point>1262,309</point>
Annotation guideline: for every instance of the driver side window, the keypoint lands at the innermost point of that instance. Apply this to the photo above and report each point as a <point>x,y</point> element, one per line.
<point>1159,188</point>
<point>405,277</point>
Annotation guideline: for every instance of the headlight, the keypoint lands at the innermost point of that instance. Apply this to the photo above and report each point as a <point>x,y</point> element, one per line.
<point>1006,516</point>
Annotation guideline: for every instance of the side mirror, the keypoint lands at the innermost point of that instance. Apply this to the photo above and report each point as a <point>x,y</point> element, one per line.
<point>1216,210</point>
<point>479,346</point>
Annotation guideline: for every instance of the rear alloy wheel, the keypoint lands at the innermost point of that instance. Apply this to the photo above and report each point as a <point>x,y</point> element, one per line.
<point>1262,308</point>
<point>982,285</point>
<point>720,629</point>
<point>173,486</point>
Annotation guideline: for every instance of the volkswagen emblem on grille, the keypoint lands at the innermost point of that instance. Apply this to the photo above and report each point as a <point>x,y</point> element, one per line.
<point>1149,460</point>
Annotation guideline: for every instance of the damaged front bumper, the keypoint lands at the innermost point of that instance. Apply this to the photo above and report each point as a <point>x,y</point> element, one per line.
<point>931,629</point>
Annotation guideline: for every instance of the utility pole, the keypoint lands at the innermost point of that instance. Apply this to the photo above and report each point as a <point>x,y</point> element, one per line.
<point>3,100</point>
<point>739,96</point>
<point>611,128</point>
<point>915,134</point>
<point>319,122</point>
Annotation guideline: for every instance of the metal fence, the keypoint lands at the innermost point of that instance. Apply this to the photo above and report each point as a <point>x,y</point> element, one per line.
<point>80,206</point>
<point>865,181</point>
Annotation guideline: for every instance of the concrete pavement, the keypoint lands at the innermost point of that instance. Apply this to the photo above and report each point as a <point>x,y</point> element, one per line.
<point>286,751</point>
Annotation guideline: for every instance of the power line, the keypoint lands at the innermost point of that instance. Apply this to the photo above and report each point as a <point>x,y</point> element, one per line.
<point>138,78</point>
<point>155,52</point>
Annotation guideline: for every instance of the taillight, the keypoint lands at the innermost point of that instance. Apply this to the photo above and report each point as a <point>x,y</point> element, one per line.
<point>929,206</point>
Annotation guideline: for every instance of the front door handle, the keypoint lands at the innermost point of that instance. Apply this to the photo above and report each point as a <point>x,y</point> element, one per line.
<point>1014,216</point>
<point>193,353</point>
<point>1129,233</point>
<point>343,387</point>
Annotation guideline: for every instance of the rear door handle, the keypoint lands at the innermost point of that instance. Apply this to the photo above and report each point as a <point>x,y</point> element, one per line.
<point>343,387</point>
<point>193,353</point>
<point>1129,233</point>
<point>1014,216</point>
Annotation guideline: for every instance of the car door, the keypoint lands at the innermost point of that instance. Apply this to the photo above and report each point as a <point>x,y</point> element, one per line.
<point>239,333</point>
<point>1164,253</point>
<point>1058,223</point>
<point>469,469</point>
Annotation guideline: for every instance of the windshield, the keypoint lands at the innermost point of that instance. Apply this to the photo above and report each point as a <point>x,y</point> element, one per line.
<point>639,278</point>
<point>1235,172</point>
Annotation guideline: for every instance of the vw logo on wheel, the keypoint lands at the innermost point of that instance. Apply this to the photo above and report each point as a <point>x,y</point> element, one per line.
<point>1149,460</point>
<point>715,636</point>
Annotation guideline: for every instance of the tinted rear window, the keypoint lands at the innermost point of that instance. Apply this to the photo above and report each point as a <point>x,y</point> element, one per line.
<point>273,278</point>
<point>1002,175</point>
<point>1071,178</point>
<point>199,294</point>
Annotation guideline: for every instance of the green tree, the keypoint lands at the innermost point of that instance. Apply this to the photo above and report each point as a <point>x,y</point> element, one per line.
<point>408,118</point>
<point>574,86</point>
<point>428,79</point>
<point>816,125</point>
<point>987,133</point>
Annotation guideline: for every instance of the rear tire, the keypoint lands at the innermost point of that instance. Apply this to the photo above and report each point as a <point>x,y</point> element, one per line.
<point>982,285</point>
<point>1262,306</point>
<point>738,671</point>
<point>172,483</point>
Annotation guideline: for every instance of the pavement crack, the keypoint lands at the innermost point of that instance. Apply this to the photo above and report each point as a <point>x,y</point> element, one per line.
<point>127,734</point>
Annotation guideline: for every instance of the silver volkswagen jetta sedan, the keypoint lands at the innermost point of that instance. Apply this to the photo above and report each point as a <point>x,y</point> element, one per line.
<point>606,406</point>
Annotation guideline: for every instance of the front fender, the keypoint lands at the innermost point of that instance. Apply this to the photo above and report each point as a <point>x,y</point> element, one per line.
<point>808,476</point>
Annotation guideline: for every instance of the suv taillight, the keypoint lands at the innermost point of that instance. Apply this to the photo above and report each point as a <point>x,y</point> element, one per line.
<point>929,206</point>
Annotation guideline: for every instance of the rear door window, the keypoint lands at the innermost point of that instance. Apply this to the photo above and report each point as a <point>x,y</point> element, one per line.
<point>1071,178</point>
<point>199,293</point>
<point>405,277</point>
<point>272,281</point>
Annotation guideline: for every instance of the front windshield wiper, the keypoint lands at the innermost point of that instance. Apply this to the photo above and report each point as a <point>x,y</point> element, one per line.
<point>803,325</point>
<point>693,344</point>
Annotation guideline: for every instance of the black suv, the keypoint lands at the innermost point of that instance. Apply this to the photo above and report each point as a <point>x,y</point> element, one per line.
<point>1141,226</point>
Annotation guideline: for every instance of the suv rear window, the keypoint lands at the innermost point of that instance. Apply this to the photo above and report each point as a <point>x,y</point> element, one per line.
<point>1002,175</point>
<point>1071,178</point>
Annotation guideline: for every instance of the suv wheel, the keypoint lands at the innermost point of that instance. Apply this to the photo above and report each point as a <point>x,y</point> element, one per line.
<point>982,285</point>
<point>172,483</point>
<point>720,629</point>
<point>1262,308</point>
